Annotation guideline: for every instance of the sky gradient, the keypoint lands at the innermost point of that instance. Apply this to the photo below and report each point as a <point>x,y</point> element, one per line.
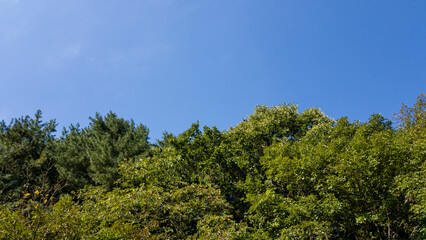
<point>167,64</point>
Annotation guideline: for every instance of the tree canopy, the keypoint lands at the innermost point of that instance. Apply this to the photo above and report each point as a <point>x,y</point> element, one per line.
<point>278,174</point>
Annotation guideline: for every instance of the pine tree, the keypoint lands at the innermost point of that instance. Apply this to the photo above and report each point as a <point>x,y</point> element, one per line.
<point>90,156</point>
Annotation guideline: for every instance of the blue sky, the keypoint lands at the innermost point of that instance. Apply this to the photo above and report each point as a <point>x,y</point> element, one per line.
<point>167,64</point>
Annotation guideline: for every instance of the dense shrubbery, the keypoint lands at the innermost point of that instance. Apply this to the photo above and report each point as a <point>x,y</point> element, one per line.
<point>279,174</point>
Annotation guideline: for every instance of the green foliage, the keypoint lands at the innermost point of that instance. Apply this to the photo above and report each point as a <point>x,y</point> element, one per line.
<point>244,145</point>
<point>90,156</point>
<point>412,183</point>
<point>134,213</point>
<point>266,126</point>
<point>279,174</point>
<point>182,198</point>
<point>99,216</point>
<point>220,227</point>
<point>415,117</point>
<point>25,158</point>
<point>337,181</point>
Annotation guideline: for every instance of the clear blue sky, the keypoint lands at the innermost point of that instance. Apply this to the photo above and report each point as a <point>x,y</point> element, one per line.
<point>167,64</point>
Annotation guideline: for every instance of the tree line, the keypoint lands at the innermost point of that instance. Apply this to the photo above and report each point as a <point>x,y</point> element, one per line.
<point>278,174</point>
